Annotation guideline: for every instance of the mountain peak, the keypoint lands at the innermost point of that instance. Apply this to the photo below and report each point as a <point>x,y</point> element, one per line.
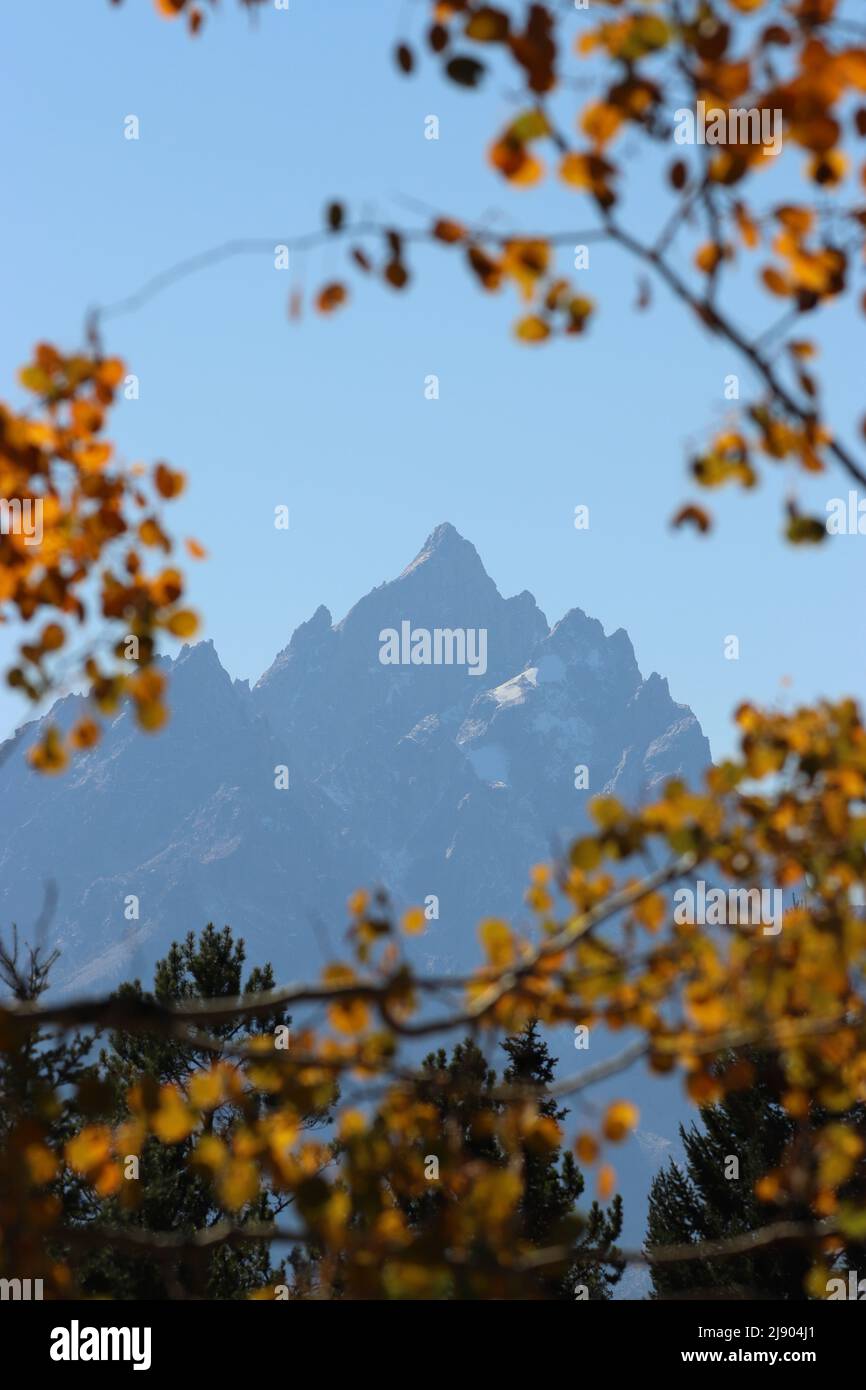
<point>444,534</point>
<point>446,545</point>
<point>316,627</point>
<point>199,656</point>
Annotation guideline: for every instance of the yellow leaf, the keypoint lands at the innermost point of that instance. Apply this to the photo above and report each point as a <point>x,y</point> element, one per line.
<point>349,1016</point>
<point>85,734</point>
<point>495,1194</point>
<point>184,623</point>
<point>50,755</point>
<point>210,1152</point>
<point>108,1179</point>
<point>586,1148</point>
<point>352,1123</point>
<point>282,1135</point>
<point>532,329</point>
<point>575,169</point>
<point>172,1121</point>
<point>620,1119</point>
<point>89,1150</point>
<point>605,1182</point>
<point>600,121</point>
<point>414,921</point>
<point>151,715</point>
<point>497,941</point>
<point>206,1089</point>
<point>767,1188</point>
<point>41,1162</point>
<point>651,911</point>
<point>238,1183</point>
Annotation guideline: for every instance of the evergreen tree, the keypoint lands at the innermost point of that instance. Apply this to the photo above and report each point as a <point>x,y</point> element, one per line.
<point>463,1088</point>
<point>44,1077</point>
<point>553,1185</point>
<point>173,1196</point>
<point>460,1089</point>
<point>37,1068</point>
<point>710,1200</point>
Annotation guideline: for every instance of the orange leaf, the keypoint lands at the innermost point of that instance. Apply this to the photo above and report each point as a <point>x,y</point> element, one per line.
<point>184,623</point>
<point>414,921</point>
<point>331,297</point>
<point>606,1180</point>
<point>168,482</point>
<point>620,1119</point>
<point>532,329</point>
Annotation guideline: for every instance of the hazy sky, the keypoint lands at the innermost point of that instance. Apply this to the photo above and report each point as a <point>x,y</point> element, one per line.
<point>247,132</point>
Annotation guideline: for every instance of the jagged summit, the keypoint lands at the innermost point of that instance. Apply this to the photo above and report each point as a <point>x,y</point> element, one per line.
<point>443,776</point>
<point>201,653</point>
<point>441,786</point>
<point>315,628</point>
<point>581,641</point>
<point>446,547</point>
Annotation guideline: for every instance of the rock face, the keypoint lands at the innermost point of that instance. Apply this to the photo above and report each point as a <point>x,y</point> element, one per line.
<point>434,778</point>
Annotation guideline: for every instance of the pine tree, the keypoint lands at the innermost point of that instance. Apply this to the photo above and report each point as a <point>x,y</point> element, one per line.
<point>35,1068</point>
<point>711,1199</point>
<point>553,1184</point>
<point>44,1078</point>
<point>172,1195</point>
<point>460,1089</point>
<point>463,1088</point>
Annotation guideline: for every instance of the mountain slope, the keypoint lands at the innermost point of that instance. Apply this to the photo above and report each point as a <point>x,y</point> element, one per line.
<point>436,778</point>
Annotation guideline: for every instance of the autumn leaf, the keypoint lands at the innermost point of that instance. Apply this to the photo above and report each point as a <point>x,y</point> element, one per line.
<point>331,297</point>
<point>169,483</point>
<point>183,623</point>
<point>694,516</point>
<point>586,1148</point>
<point>414,921</point>
<point>605,1182</point>
<point>487,25</point>
<point>405,58</point>
<point>85,734</point>
<point>498,942</point>
<point>49,755</point>
<point>89,1149</point>
<point>206,1089</point>
<point>237,1183</point>
<point>448,231</point>
<point>532,329</point>
<point>465,71</point>
<point>172,1121</point>
<point>620,1119</point>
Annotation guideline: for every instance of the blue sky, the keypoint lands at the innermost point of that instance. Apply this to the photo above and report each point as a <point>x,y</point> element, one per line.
<point>247,132</point>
